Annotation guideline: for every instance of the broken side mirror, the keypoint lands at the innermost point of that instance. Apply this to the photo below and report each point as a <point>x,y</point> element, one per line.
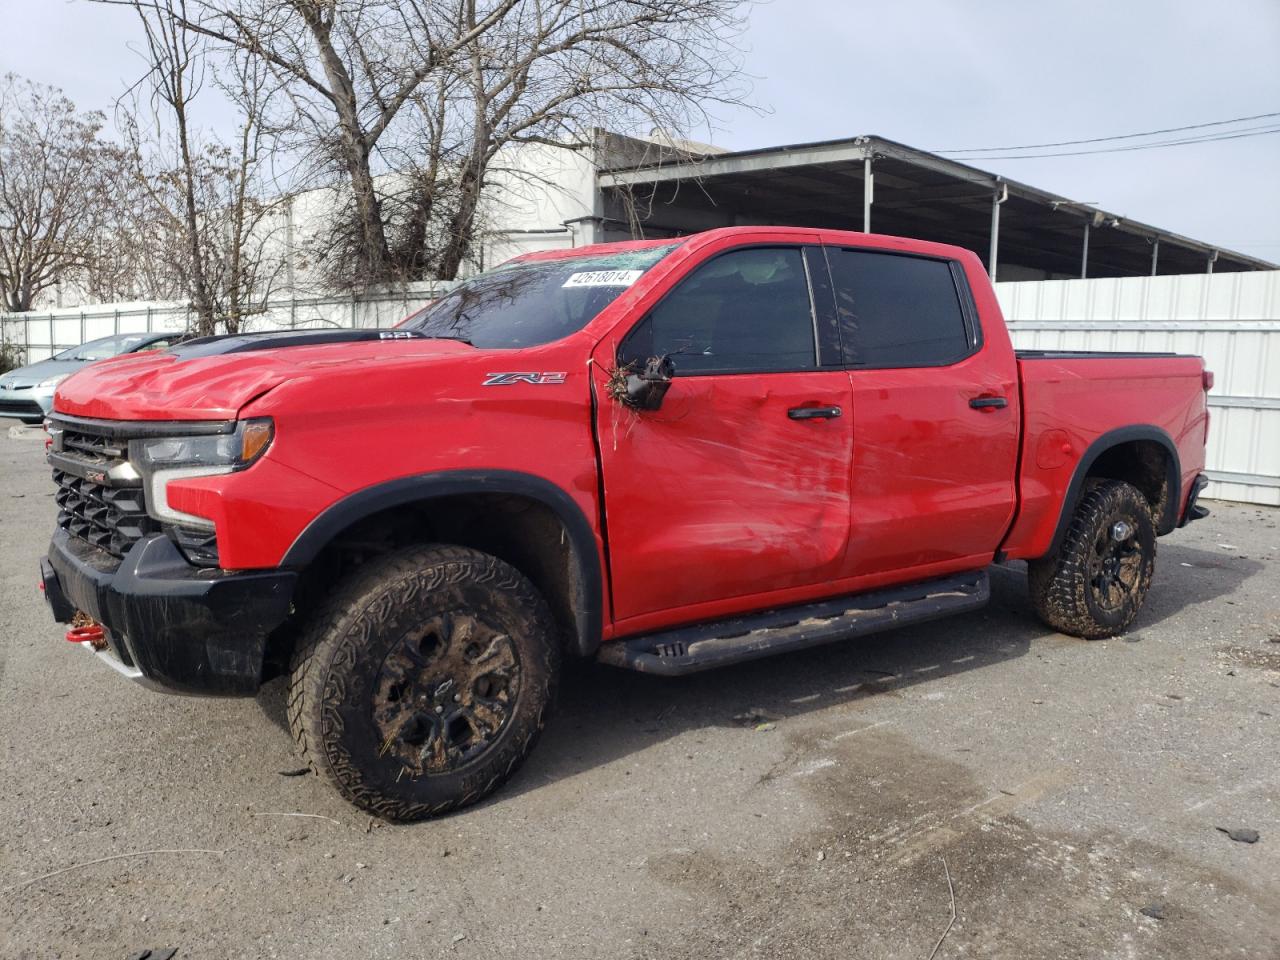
<point>646,388</point>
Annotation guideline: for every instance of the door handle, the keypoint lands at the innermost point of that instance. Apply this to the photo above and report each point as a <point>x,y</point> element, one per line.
<point>814,413</point>
<point>988,403</point>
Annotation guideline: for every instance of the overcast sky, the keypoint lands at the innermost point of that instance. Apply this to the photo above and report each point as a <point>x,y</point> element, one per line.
<point>935,74</point>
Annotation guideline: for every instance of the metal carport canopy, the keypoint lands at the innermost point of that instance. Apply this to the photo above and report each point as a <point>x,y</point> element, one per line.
<point>1030,232</point>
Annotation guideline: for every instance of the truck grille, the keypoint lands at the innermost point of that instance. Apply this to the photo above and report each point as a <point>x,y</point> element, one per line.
<point>112,518</point>
<point>108,512</point>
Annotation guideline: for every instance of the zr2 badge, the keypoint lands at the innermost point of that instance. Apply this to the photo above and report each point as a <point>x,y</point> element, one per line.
<point>508,379</point>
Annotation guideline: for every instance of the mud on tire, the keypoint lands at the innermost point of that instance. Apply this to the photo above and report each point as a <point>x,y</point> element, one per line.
<point>424,681</point>
<point>1095,584</point>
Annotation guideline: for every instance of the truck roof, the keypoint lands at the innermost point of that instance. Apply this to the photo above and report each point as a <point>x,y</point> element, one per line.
<point>856,238</point>
<point>597,249</point>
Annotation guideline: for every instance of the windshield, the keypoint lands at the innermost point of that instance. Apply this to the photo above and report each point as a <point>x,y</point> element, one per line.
<point>532,302</point>
<point>106,347</point>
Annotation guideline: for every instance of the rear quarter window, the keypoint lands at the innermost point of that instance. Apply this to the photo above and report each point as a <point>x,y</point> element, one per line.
<point>896,310</point>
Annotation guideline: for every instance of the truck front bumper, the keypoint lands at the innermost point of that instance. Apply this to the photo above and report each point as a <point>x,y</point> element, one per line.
<point>170,624</point>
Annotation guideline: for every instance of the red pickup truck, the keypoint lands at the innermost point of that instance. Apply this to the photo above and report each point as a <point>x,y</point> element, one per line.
<point>666,455</point>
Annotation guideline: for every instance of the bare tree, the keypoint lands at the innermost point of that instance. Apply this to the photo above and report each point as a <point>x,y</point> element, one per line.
<point>351,66</point>
<point>51,188</point>
<point>175,78</point>
<point>205,193</point>
<point>252,259</point>
<point>11,354</point>
<point>552,71</point>
<point>409,103</point>
<point>425,154</point>
<point>131,257</point>
<point>415,193</point>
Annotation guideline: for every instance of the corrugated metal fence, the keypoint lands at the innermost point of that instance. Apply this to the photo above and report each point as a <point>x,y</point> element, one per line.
<point>44,333</point>
<point>1230,319</point>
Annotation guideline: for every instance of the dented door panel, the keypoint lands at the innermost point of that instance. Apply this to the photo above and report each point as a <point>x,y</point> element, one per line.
<point>721,493</point>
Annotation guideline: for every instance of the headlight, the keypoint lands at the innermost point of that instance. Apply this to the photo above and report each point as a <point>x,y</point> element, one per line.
<point>165,459</point>
<point>53,381</point>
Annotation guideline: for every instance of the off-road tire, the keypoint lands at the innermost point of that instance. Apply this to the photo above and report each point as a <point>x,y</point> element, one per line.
<point>338,676</point>
<point>1065,586</point>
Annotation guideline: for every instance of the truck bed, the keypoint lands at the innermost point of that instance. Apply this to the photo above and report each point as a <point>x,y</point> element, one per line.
<point>1072,400</point>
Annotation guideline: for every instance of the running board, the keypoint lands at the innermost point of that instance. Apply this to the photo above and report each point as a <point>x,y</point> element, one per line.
<point>684,650</point>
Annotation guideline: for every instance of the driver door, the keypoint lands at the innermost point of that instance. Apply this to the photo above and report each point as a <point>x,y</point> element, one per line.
<point>734,494</point>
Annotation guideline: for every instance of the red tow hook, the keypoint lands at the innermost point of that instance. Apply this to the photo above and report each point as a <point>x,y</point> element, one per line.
<point>91,633</point>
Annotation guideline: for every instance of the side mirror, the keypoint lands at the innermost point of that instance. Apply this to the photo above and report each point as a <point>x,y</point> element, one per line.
<point>646,389</point>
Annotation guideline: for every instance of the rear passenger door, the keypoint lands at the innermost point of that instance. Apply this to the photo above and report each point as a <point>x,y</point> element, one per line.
<point>735,493</point>
<point>935,435</point>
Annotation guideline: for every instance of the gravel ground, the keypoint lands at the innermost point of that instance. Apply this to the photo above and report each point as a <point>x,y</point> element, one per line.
<point>1061,786</point>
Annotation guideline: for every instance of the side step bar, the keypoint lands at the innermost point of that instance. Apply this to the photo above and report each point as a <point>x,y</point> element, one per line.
<point>674,653</point>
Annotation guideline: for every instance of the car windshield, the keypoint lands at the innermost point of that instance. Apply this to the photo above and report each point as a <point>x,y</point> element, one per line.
<point>106,347</point>
<point>532,302</point>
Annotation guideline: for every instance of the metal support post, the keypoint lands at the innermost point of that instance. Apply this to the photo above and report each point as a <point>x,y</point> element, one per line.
<point>868,194</point>
<point>1000,195</point>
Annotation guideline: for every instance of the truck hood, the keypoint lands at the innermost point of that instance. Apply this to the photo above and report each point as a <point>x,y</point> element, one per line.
<point>212,378</point>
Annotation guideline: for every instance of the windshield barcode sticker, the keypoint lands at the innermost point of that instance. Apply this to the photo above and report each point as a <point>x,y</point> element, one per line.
<point>604,278</point>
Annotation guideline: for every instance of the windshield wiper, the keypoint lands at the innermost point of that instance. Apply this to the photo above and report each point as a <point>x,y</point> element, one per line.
<point>447,336</point>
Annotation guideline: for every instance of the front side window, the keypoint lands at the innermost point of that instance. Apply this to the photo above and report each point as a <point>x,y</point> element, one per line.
<point>532,302</point>
<point>897,311</point>
<point>748,310</point>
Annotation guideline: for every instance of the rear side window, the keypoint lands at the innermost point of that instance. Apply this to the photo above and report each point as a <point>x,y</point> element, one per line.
<point>745,311</point>
<point>897,311</point>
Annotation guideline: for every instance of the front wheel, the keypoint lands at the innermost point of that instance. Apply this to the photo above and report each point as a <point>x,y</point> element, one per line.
<point>1095,584</point>
<point>425,681</point>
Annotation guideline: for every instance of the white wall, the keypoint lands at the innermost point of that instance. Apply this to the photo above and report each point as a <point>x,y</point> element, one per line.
<point>1230,319</point>
<point>532,190</point>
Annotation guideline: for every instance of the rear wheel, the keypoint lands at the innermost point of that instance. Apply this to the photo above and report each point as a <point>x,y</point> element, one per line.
<point>1095,584</point>
<point>425,681</point>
